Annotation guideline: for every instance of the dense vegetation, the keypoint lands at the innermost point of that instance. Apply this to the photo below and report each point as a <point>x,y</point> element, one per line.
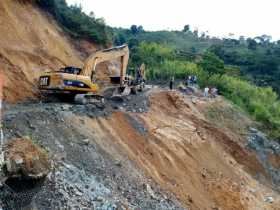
<point>260,102</point>
<point>258,59</point>
<point>77,23</point>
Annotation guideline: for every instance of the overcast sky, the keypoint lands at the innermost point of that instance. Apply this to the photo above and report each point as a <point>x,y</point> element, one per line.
<point>219,17</point>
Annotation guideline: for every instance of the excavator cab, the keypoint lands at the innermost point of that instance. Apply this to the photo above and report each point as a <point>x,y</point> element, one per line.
<point>70,70</point>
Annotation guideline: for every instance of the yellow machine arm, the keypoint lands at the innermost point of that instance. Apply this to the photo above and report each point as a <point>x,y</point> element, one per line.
<point>142,70</point>
<point>106,55</point>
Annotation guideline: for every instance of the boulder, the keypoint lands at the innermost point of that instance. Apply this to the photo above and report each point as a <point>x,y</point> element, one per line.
<point>24,159</point>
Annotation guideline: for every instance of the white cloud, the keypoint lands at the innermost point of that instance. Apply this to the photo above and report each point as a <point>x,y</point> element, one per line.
<point>219,17</point>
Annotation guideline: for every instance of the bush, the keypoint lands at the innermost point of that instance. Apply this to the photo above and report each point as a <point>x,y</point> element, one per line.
<point>177,69</point>
<point>162,64</point>
<point>262,103</point>
<point>212,64</point>
<point>76,22</point>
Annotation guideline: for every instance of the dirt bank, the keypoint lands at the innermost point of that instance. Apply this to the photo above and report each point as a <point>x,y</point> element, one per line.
<point>89,172</point>
<point>201,164</point>
<point>31,41</point>
<point>139,158</point>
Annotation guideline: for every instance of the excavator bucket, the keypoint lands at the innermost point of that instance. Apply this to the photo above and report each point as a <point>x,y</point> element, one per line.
<point>120,93</point>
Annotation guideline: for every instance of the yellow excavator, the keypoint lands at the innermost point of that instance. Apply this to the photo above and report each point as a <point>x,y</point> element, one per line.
<point>81,83</point>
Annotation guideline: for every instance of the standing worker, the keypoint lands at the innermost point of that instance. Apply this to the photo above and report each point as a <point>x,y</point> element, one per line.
<point>190,81</point>
<point>171,83</point>
<point>194,79</point>
<point>187,81</point>
<point>206,92</point>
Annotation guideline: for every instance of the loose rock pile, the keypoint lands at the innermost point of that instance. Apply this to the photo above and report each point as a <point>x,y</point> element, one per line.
<point>25,160</point>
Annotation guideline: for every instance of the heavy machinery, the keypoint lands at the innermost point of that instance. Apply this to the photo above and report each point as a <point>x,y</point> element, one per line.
<point>81,83</point>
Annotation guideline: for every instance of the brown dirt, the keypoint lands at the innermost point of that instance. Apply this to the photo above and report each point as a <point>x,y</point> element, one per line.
<point>32,42</point>
<point>274,161</point>
<point>227,194</point>
<point>35,160</point>
<point>225,115</point>
<point>204,166</point>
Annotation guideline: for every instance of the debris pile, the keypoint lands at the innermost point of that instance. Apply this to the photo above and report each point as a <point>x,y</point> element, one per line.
<point>23,159</point>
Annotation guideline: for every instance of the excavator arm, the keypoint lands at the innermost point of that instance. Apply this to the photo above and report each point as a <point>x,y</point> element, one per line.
<point>106,55</point>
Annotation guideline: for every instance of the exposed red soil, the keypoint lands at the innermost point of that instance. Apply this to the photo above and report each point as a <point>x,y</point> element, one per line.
<point>202,165</point>
<point>274,161</point>
<point>35,160</point>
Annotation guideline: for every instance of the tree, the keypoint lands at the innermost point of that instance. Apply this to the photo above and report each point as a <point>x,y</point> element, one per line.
<point>242,40</point>
<point>195,32</point>
<point>140,29</point>
<point>134,29</point>
<point>49,5</point>
<point>92,15</point>
<point>186,28</point>
<point>203,35</point>
<point>252,44</point>
<point>266,38</point>
<point>212,64</point>
<point>78,23</point>
<point>120,39</point>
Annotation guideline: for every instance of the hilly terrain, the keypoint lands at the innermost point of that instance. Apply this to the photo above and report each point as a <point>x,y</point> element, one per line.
<point>159,149</point>
<point>257,59</point>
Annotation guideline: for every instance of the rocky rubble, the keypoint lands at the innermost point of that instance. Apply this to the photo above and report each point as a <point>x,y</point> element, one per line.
<point>84,175</point>
<point>266,148</point>
<point>25,160</point>
<point>75,189</point>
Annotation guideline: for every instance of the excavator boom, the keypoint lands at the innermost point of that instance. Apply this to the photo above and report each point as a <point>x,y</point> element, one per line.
<point>107,55</point>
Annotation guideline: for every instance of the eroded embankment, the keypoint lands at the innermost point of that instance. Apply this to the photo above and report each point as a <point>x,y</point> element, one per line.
<point>204,166</point>
<point>31,42</point>
<point>90,172</point>
<point>135,159</point>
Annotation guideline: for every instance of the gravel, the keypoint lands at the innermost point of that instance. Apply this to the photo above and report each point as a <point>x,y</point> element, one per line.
<point>84,176</point>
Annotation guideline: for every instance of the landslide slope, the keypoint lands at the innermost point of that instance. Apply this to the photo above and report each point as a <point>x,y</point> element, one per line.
<point>30,42</point>
<point>142,157</point>
<point>205,166</point>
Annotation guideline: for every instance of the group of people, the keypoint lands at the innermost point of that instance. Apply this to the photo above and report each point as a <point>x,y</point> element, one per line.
<point>191,80</point>
<point>211,92</point>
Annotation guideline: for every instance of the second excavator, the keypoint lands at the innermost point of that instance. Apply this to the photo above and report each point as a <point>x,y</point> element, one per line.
<point>80,82</point>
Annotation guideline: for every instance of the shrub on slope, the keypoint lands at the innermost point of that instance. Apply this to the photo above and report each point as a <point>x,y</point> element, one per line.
<point>262,103</point>
<point>76,22</point>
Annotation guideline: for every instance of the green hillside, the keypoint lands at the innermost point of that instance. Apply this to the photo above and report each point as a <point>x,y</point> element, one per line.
<point>258,58</point>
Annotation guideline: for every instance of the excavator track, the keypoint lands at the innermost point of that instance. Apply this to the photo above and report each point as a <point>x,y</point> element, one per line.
<point>89,98</point>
